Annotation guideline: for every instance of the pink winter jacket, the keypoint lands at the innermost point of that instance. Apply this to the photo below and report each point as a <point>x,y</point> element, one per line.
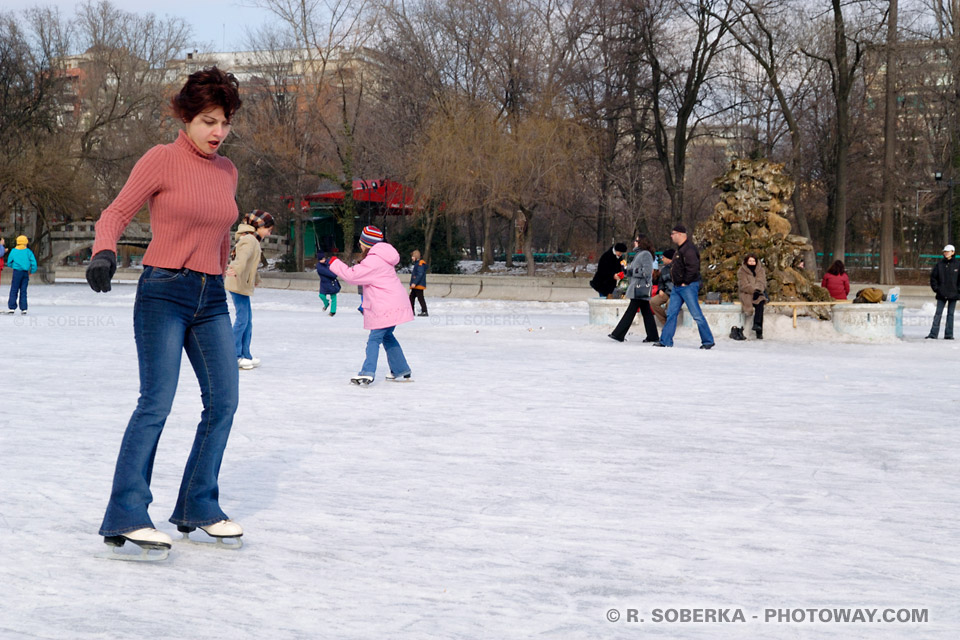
<point>385,301</point>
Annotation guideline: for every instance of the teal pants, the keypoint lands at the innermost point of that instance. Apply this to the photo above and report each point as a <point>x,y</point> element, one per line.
<point>332,302</point>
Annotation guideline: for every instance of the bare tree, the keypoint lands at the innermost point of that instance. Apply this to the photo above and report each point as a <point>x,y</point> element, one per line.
<point>330,36</point>
<point>682,38</point>
<point>843,60</point>
<point>766,30</point>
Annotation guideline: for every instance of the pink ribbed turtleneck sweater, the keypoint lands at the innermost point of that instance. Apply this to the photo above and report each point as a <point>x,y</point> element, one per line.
<point>191,199</point>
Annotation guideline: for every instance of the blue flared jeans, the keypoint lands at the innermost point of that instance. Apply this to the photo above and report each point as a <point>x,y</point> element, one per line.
<point>395,358</point>
<point>687,294</point>
<point>176,311</point>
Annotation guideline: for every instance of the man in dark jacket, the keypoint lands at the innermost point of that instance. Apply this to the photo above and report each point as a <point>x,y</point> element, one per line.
<point>605,280</point>
<point>945,282</point>
<point>685,274</point>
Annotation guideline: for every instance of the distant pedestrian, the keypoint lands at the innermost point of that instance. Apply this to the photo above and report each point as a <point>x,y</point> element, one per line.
<point>329,285</point>
<point>752,287</point>
<point>685,274</point>
<point>23,263</point>
<point>836,281</point>
<point>640,272</point>
<point>243,276</point>
<point>3,251</point>
<point>609,266</point>
<point>418,281</point>
<point>945,282</point>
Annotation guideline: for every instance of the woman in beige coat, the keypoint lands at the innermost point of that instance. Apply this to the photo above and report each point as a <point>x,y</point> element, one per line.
<point>242,277</point>
<point>752,286</point>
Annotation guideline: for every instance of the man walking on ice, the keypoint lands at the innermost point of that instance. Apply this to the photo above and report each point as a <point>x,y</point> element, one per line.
<point>685,274</point>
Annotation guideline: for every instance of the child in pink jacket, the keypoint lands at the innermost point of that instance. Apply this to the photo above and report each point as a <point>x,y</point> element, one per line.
<point>385,303</point>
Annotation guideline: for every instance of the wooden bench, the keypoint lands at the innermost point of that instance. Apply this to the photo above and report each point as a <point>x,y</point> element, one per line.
<point>796,304</point>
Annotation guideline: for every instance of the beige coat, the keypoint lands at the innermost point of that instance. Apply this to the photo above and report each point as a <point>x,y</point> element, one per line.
<point>245,263</point>
<point>747,283</point>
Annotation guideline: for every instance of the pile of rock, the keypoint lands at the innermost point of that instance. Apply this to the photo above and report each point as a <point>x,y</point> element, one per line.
<point>750,218</point>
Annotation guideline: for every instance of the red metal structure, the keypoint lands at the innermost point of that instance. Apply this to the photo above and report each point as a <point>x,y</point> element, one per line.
<point>385,196</point>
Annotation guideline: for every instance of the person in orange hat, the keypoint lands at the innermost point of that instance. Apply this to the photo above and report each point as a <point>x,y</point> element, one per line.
<point>23,263</point>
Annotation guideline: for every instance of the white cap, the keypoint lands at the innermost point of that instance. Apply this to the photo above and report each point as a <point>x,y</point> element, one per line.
<point>949,248</point>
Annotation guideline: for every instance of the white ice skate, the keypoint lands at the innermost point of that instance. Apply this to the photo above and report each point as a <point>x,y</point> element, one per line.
<point>361,380</point>
<point>154,545</point>
<point>245,363</point>
<point>226,533</point>
<point>255,362</point>
<point>404,378</point>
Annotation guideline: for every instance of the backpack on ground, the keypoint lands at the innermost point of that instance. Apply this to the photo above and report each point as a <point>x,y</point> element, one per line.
<point>870,295</point>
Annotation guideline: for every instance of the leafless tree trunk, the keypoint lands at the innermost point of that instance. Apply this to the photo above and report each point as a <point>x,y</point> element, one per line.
<point>678,91</point>
<point>887,273</point>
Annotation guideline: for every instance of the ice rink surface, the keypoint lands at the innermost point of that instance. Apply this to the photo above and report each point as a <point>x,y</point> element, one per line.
<point>534,478</point>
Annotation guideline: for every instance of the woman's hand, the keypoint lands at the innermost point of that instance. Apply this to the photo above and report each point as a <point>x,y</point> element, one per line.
<point>231,272</point>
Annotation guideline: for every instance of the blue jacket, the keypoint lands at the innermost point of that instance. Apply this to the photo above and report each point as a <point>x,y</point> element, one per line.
<point>328,280</point>
<point>418,276</point>
<point>22,260</point>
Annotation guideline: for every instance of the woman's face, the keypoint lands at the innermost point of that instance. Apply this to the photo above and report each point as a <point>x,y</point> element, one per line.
<point>208,129</point>
<point>263,232</point>
<point>751,262</point>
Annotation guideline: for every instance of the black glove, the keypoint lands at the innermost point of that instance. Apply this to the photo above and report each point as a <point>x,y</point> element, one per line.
<point>756,294</point>
<point>101,269</point>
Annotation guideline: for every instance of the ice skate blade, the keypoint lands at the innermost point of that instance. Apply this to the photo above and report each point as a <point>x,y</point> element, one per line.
<point>231,543</point>
<point>149,552</point>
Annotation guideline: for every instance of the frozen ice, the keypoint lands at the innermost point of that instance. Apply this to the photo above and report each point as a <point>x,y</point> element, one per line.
<point>535,476</point>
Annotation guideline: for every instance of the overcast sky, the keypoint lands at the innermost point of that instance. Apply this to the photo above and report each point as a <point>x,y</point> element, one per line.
<point>220,24</point>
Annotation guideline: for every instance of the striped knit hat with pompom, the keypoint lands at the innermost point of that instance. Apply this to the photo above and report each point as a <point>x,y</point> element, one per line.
<point>370,236</point>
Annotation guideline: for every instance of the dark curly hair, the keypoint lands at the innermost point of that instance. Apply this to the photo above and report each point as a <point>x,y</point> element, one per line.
<point>204,89</point>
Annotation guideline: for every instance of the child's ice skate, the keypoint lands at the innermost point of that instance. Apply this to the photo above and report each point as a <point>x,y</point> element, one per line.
<point>361,380</point>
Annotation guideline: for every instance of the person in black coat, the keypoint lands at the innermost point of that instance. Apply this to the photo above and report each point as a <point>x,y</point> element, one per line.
<point>605,280</point>
<point>945,282</point>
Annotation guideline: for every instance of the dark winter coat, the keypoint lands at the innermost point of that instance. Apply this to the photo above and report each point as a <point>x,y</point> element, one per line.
<point>665,282</point>
<point>686,264</point>
<point>749,281</point>
<point>945,279</point>
<point>640,272</point>
<point>328,280</point>
<point>418,276</point>
<point>605,280</point>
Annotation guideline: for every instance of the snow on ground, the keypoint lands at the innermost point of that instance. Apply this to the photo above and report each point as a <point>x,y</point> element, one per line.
<point>536,476</point>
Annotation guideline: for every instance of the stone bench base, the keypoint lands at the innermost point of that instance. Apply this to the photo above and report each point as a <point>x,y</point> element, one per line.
<point>869,321</point>
<point>720,317</point>
<point>880,320</point>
